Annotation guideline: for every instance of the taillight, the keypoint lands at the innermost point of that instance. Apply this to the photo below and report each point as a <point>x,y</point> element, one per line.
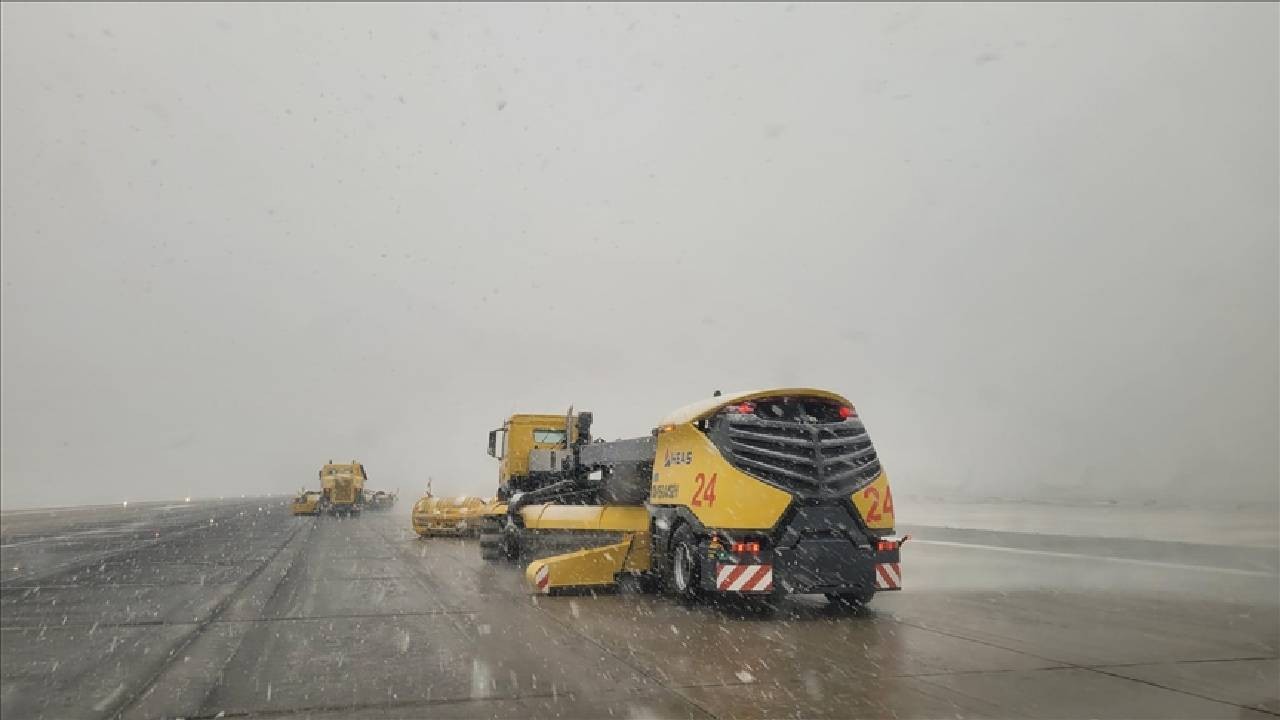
<point>746,547</point>
<point>745,408</point>
<point>886,545</point>
<point>847,412</point>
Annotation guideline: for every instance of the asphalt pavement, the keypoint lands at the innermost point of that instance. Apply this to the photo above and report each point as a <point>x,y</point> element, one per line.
<point>236,609</point>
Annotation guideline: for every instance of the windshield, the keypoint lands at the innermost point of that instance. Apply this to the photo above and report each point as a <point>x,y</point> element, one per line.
<point>734,360</point>
<point>555,437</point>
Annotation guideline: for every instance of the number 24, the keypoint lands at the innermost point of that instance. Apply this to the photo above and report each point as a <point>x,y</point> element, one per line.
<point>706,490</point>
<point>873,515</point>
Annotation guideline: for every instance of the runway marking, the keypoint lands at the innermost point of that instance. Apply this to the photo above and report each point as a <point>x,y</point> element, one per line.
<point>187,623</point>
<point>1104,558</point>
<point>110,700</point>
<point>1110,666</point>
<point>75,536</point>
<point>348,708</point>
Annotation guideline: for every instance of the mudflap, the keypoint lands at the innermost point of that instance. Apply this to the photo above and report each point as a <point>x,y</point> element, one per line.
<point>824,550</point>
<point>888,564</point>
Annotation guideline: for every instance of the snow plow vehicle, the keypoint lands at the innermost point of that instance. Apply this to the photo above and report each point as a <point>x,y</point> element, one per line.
<point>763,493</point>
<point>343,487</point>
<point>457,516</point>
<point>308,502</point>
<point>380,500</point>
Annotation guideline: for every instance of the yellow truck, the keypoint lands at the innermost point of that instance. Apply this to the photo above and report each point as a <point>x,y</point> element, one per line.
<point>457,516</point>
<point>532,451</point>
<point>307,503</point>
<point>342,486</point>
<point>763,493</point>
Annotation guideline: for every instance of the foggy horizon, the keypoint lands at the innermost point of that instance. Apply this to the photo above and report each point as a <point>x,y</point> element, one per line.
<point>1036,245</point>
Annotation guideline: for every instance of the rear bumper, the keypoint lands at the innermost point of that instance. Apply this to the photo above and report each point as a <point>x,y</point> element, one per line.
<point>834,568</point>
<point>822,549</point>
<point>826,565</point>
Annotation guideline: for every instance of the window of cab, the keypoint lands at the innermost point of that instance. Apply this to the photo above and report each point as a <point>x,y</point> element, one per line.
<point>544,435</point>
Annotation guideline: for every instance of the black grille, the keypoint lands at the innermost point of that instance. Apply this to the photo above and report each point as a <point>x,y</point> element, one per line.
<point>810,451</point>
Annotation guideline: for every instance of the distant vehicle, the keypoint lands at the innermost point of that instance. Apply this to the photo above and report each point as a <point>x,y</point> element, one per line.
<point>308,502</point>
<point>343,487</point>
<point>458,516</point>
<point>380,500</point>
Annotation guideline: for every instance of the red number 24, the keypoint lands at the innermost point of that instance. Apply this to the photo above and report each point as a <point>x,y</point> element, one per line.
<point>873,515</point>
<point>706,490</point>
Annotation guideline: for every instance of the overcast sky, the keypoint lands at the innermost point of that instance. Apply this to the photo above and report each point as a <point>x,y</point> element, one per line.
<point>1037,245</point>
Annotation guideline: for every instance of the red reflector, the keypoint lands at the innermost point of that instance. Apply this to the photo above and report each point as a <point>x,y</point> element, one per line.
<point>847,412</point>
<point>748,547</point>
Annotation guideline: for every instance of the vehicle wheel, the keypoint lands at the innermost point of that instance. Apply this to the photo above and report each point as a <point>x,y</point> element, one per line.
<point>684,579</point>
<point>490,546</point>
<point>509,546</point>
<point>629,584</point>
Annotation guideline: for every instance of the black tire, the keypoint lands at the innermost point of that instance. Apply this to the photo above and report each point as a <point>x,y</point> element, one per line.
<point>490,546</point>
<point>509,546</point>
<point>629,584</point>
<point>684,577</point>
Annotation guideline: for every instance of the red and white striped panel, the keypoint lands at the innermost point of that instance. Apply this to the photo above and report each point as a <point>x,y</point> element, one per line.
<point>888,576</point>
<point>744,578</point>
<point>542,579</point>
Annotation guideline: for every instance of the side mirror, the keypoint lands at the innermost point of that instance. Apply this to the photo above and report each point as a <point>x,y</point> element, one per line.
<point>493,443</point>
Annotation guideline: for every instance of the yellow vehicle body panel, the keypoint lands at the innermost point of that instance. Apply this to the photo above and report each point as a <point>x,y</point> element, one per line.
<point>518,442</point>
<point>345,491</point>
<point>593,567</point>
<point>689,471</point>
<point>417,516</point>
<point>334,482</point>
<point>875,503</point>
<point>493,508</point>
<point>447,515</point>
<point>306,504</point>
<point>698,410</point>
<point>616,518</point>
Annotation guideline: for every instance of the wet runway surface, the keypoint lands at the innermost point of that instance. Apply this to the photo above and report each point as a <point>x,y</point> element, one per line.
<point>236,609</point>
